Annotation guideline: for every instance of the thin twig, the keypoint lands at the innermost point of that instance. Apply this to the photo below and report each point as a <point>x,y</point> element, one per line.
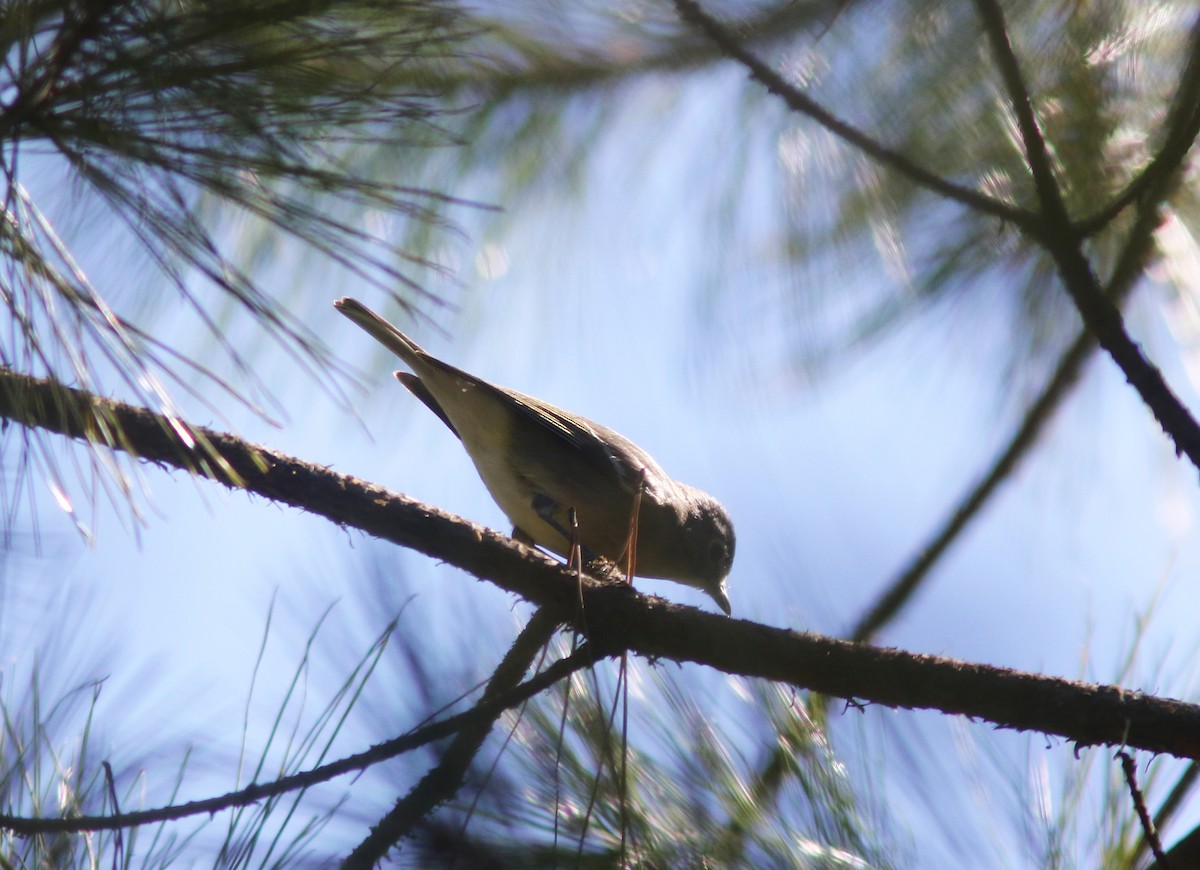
<point>1037,155</point>
<point>1166,813</point>
<point>119,838</point>
<point>485,710</point>
<point>1131,265</point>
<point>798,101</point>
<point>631,546</point>
<point>604,754</point>
<point>623,784</point>
<point>546,67</point>
<point>1139,805</point>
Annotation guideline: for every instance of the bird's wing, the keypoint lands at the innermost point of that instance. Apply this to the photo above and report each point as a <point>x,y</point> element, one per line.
<point>605,453</point>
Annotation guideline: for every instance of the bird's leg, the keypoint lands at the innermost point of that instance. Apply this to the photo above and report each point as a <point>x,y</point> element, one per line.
<point>575,554</point>
<point>574,550</point>
<point>631,541</point>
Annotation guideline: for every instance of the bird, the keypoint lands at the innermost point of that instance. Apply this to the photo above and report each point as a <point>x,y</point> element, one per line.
<point>562,479</point>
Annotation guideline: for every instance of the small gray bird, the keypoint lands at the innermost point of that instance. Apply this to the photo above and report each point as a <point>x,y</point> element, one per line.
<point>539,462</point>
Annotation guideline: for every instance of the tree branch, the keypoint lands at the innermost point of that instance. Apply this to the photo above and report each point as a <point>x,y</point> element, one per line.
<point>485,711</point>
<point>1037,157</point>
<point>798,101</point>
<point>443,781</point>
<point>237,464</point>
<point>1130,266</point>
<point>619,618</point>
<point>1062,240</point>
<point>1138,798</point>
<point>551,66</point>
<point>1175,798</point>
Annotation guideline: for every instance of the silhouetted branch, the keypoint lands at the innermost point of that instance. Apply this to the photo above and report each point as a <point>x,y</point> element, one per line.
<point>798,101</point>
<point>1037,156</point>
<point>618,617</point>
<point>1166,814</point>
<point>1139,805</point>
<point>1055,232</point>
<point>549,66</point>
<point>1135,255</point>
<point>1185,853</point>
<point>443,781</point>
<point>1180,130</point>
<point>485,711</point>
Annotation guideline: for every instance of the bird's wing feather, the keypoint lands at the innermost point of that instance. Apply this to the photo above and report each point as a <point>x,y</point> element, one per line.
<point>607,453</point>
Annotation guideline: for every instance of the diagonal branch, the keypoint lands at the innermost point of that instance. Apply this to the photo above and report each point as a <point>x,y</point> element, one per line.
<point>900,590</point>
<point>1037,155</point>
<point>1064,243</point>
<point>237,464</point>
<point>485,711</point>
<point>798,101</point>
<point>1131,264</point>
<point>444,780</point>
<point>550,66</point>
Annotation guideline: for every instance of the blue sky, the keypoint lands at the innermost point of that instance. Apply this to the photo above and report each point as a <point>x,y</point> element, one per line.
<point>591,301</point>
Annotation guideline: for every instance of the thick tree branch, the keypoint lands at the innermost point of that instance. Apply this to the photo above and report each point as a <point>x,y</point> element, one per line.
<point>798,101</point>
<point>618,618</point>
<point>237,464</point>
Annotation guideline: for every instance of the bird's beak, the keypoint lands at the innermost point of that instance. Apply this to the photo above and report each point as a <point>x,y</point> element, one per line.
<point>721,596</point>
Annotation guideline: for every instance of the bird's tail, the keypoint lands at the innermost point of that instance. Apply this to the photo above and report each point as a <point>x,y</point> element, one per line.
<point>379,329</point>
